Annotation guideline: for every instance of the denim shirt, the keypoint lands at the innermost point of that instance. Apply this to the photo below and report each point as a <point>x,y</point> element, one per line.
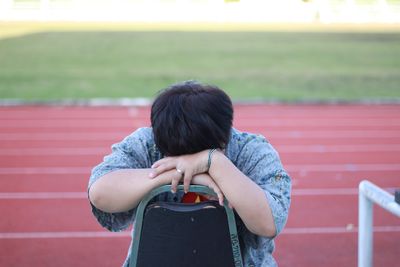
<point>250,153</point>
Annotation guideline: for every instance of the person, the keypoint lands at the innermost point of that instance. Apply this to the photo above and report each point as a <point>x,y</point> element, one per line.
<point>191,140</point>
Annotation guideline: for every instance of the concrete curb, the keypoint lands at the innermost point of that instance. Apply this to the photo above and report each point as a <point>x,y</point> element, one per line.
<point>104,102</point>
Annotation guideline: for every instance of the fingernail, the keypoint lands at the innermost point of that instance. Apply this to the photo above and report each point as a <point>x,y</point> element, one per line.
<point>151,175</point>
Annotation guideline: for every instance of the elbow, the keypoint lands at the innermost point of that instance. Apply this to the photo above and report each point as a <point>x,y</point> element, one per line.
<point>265,230</point>
<point>97,198</point>
<point>269,231</point>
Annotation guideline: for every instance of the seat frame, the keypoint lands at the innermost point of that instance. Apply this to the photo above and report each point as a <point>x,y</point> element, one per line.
<point>136,235</point>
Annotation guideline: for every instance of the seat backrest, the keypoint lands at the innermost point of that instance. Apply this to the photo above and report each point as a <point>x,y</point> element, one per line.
<point>181,234</point>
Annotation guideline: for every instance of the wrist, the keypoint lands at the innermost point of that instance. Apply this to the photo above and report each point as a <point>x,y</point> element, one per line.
<point>215,160</point>
<point>209,158</point>
<point>160,181</point>
<point>202,161</point>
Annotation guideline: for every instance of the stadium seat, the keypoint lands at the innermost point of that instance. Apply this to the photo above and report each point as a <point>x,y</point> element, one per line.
<point>182,234</point>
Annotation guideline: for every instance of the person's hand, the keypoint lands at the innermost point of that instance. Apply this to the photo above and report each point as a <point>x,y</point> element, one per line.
<point>206,180</point>
<point>167,177</point>
<point>185,166</point>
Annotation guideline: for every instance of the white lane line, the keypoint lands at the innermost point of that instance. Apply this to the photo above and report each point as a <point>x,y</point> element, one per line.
<point>336,148</point>
<point>332,191</point>
<point>46,170</point>
<point>291,168</point>
<point>30,235</point>
<point>270,134</point>
<point>65,136</point>
<point>242,113</point>
<point>304,168</point>
<point>43,195</point>
<point>83,195</point>
<point>321,122</point>
<point>337,134</point>
<point>270,122</point>
<point>336,230</point>
<point>325,191</point>
<point>69,151</point>
<point>126,234</point>
<point>81,123</point>
<point>54,151</point>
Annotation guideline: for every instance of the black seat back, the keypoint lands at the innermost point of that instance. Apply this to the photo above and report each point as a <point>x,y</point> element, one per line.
<point>182,235</point>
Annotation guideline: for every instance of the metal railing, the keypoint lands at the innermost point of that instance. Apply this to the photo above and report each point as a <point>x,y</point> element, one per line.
<point>368,195</point>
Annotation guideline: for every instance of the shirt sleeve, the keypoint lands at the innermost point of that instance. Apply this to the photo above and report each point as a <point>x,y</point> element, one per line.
<point>131,153</point>
<point>262,164</point>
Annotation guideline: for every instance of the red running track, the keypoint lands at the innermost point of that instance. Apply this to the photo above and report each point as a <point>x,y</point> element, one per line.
<point>46,154</point>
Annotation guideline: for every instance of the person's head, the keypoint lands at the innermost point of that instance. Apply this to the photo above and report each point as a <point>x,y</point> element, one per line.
<point>189,117</point>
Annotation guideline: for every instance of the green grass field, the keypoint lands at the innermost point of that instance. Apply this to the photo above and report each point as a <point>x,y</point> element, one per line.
<point>272,65</point>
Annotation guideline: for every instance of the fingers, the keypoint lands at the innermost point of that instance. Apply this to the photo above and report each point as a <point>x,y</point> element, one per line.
<point>220,198</point>
<point>218,192</point>
<point>175,182</point>
<point>184,167</point>
<point>171,163</point>
<point>161,167</point>
<point>166,177</point>
<point>161,161</point>
<point>187,178</point>
<point>169,177</point>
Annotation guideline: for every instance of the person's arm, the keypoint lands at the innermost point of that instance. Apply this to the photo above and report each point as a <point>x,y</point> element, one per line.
<point>206,180</point>
<point>259,191</point>
<point>122,190</point>
<point>245,196</point>
<point>117,183</point>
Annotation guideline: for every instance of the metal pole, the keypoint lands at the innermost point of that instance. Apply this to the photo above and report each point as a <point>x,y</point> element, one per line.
<point>365,230</point>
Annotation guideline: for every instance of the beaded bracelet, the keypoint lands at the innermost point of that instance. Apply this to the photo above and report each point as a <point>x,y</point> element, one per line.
<point>210,153</point>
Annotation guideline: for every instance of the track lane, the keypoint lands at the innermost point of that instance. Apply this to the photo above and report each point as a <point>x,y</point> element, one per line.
<point>333,250</point>
<point>287,150</point>
<point>92,159</point>
<point>64,252</point>
<point>48,215</point>
<point>252,110</point>
<point>73,214</point>
<point>325,132</point>
<point>69,182</point>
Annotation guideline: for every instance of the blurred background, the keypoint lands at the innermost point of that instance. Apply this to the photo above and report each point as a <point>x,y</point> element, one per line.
<point>263,50</point>
<point>319,78</point>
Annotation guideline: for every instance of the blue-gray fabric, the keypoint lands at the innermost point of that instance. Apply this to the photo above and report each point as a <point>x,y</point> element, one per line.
<point>250,153</point>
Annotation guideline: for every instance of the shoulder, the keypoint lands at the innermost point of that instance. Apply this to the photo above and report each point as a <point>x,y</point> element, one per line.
<point>248,150</point>
<point>144,133</point>
<point>245,138</point>
<point>142,141</point>
<point>245,142</point>
<point>140,137</point>
<point>138,143</point>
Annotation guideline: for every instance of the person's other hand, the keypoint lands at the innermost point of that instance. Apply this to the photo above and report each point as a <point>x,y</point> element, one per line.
<point>167,177</point>
<point>186,166</point>
<point>206,180</point>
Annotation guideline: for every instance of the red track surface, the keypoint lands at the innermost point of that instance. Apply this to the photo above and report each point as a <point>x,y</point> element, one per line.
<point>46,154</point>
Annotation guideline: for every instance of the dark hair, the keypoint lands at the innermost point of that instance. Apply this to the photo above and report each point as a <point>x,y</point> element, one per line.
<point>189,117</point>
